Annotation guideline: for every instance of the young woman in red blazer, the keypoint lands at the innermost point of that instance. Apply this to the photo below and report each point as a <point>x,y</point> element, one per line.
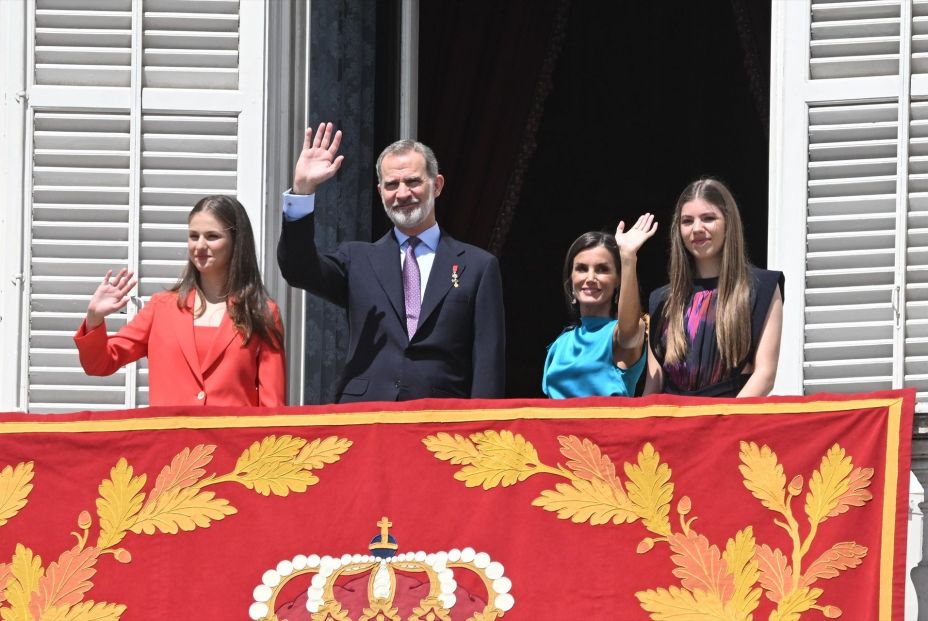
<point>215,338</point>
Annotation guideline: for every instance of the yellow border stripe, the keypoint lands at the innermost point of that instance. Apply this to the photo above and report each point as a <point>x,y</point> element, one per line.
<point>890,489</point>
<point>49,425</point>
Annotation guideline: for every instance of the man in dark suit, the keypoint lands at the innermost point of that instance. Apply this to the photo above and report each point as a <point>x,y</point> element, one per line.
<point>425,311</point>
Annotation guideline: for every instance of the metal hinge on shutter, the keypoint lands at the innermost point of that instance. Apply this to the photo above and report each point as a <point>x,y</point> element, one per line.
<point>897,313</point>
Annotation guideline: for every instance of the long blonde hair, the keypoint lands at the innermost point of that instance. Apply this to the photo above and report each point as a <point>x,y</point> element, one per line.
<point>733,309</point>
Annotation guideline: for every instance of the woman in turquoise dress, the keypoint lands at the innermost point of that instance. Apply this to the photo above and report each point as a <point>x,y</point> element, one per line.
<point>602,352</point>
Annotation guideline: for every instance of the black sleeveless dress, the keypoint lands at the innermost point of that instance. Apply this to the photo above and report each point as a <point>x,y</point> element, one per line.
<point>702,373</point>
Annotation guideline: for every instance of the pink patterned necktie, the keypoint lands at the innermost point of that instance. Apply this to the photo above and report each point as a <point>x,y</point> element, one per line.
<point>412,286</point>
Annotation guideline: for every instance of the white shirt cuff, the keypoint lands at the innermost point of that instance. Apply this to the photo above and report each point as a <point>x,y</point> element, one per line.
<point>298,206</point>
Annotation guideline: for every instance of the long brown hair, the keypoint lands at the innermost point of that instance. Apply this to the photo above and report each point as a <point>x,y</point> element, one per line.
<point>246,298</point>
<point>732,311</point>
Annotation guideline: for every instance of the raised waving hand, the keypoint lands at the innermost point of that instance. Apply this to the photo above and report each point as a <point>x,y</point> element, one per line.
<point>318,161</point>
<point>630,241</point>
<point>111,296</point>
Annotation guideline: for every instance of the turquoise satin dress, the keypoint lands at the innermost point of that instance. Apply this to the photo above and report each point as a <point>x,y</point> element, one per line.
<point>580,363</point>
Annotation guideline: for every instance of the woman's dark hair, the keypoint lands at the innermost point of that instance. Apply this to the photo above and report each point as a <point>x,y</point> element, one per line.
<point>593,239</point>
<point>246,298</point>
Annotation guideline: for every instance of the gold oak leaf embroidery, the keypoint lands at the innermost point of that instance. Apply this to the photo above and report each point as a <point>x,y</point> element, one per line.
<point>6,574</point>
<point>182,508</point>
<point>587,501</point>
<point>505,459</point>
<point>456,449</point>
<point>26,571</point>
<point>763,475</point>
<point>739,558</point>
<point>595,494</point>
<point>14,489</point>
<point>316,454</point>
<point>793,605</point>
<point>776,576</point>
<point>675,603</point>
<point>185,470</point>
<point>841,556</point>
<point>65,581</point>
<point>715,586</point>
<point>700,566</point>
<point>119,503</point>
<point>281,465</point>
<point>836,486</point>
<point>587,461</point>
<point>650,489</point>
<point>86,611</point>
<point>833,488</point>
<point>176,502</point>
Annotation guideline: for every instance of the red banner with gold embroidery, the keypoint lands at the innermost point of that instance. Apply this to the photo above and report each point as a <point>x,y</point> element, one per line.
<point>660,508</point>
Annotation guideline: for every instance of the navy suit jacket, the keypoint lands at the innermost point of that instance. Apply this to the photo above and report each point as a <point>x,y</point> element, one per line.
<point>458,349</point>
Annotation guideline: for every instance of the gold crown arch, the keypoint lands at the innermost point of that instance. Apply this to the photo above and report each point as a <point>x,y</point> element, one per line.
<point>439,568</point>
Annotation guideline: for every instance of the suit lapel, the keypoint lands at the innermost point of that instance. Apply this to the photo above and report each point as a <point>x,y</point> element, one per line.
<point>182,322</point>
<point>385,263</point>
<point>449,253</point>
<point>224,336</point>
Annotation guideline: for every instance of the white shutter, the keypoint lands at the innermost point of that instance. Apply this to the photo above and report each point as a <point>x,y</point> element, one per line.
<point>850,247</point>
<point>139,108</point>
<point>80,228</point>
<point>856,103</point>
<point>916,254</point>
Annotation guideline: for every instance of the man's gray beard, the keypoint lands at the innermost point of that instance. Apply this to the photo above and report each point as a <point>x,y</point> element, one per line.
<point>410,218</point>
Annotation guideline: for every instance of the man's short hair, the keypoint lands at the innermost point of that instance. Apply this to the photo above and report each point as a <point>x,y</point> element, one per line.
<point>405,146</point>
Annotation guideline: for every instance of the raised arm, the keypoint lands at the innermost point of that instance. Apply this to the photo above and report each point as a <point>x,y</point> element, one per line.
<point>111,296</point>
<point>301,263</point>
<point>99,353</point>
<point>318,161</point>
<point>629,330</point>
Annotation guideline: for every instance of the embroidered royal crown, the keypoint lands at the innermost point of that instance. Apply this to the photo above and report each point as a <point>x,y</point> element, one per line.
<point>456,585</point>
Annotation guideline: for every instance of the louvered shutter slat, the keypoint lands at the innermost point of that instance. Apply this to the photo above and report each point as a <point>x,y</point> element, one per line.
<point>919,37</point>
<point>852,39</point>
<point>79,230</point>
<point>87,38</point>
<point>861,223</point>
<point>190,45</point>
<point>850,243</point>
<point>916,245</point>
<point>83,44</point>
<point>61,18</point>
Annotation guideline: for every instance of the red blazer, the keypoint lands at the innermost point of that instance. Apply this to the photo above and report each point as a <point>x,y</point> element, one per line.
<point>231,374</point>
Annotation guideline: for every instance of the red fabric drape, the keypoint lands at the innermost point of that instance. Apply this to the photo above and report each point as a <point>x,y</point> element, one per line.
<point>579,509</point>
